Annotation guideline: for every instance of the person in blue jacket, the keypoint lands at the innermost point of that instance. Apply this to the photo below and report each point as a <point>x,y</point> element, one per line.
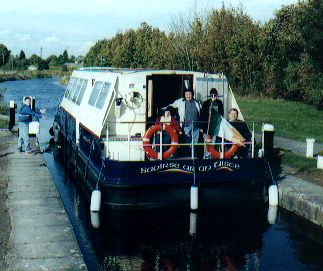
<point>25,116</point>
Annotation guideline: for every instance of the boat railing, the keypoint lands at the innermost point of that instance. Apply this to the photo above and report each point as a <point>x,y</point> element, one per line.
<point>253,142</point>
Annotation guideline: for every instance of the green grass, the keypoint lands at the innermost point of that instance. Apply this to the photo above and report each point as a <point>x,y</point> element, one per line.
<point>4,123</point>
<point>302,167</point>
<point>293,120</point>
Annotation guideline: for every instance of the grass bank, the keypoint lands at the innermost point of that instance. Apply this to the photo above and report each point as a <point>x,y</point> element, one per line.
<point>305,168</point>
<point>293,120</point>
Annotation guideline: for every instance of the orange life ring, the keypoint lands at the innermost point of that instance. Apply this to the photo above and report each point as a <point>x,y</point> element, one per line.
<point>150,133</point>
<point>215,153</point>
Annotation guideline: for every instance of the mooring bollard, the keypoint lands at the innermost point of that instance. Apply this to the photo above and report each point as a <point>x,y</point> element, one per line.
<point>268,139</point>
<point>12,117</point>
<point>310,147</point>
<point>320,161</point>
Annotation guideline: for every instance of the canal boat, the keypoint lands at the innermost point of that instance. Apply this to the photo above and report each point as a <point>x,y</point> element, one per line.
<point>106,132</point>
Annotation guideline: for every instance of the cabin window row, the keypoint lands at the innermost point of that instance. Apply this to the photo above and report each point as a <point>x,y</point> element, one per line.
<point>75,89</point>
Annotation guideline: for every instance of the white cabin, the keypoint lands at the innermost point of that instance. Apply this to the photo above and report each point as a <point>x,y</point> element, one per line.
<point>115,105</point>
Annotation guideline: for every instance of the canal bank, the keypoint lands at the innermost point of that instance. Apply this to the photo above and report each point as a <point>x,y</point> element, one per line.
<point>41,236</point>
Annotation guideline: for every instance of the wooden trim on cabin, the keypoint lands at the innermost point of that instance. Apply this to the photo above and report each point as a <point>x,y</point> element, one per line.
<point>89,130</point>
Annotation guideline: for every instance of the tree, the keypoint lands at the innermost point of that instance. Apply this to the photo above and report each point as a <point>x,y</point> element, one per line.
<point>4,55</point>
<point>63,58</point>
<point>22,55</point>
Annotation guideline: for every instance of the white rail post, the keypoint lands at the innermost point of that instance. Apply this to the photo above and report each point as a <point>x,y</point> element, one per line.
<point>160,154</point>
<point>128,141</point>
<point>263,138</point>
<point>107,147</point>
<point>222,145</point>
<point>253,140</point>
<point>192,142</point>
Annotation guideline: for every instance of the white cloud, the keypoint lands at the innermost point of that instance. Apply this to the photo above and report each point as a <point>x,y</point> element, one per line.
<point>5,32</point>
<point>22,37</point>
<point>52,39</point>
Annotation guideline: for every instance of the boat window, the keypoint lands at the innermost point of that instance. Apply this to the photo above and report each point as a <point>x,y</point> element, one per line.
<point>77,90</point>
<point>80,97</point>
<point>73,88</point>
<point>69,86</point>
<point>95,92</point>
<point>103,95</point>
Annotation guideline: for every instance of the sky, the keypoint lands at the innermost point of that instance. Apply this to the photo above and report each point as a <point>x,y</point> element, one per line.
<point>47,27</point>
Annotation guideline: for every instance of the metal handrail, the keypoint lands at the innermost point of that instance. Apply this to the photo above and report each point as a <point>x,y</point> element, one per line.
<point>223,142</point>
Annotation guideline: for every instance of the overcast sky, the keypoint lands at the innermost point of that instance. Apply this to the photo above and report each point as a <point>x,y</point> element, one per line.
<point>75,25</point>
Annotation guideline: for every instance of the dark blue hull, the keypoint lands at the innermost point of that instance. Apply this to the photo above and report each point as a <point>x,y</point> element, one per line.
<point>162,184</point>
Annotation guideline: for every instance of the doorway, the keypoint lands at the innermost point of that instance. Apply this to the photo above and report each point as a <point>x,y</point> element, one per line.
<point>164,89</point>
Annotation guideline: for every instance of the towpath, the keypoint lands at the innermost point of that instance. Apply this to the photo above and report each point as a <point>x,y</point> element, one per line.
<point>296,146</point>
<point>42,237</point>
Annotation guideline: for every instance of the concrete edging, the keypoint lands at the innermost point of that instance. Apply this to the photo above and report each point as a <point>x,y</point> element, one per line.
<point>303,198</point>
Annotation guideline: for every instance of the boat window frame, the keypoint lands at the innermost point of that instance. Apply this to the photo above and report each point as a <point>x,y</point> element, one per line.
<point>102,97</point>
<point>69,85</point>
<point>95,93</point>
<point>77,89</point>
<point>82,91</point>
<point>73,88</point>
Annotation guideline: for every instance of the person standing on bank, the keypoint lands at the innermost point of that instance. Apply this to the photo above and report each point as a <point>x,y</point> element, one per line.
<point>210,108</point>
<point>189,112</point>
<point>25,116</point>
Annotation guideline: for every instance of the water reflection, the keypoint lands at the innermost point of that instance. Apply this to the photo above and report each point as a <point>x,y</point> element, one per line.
<point>228,238</point>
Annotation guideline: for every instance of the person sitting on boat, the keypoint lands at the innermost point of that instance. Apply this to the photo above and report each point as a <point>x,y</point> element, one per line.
<point>189,112</point>
<point>24,118</point>
<point>166,119</point>
<point>242,128</point>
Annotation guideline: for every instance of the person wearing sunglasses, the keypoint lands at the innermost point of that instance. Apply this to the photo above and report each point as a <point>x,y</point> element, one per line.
<point>210,107</point>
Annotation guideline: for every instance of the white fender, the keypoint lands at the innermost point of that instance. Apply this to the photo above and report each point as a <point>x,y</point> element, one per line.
<point>95,201</point>
<point>194,197</point>
<point>34,128</point>
<point>273,195</point>
<point>95,219</point>
<point>272,214</point>
<point>193,219</point>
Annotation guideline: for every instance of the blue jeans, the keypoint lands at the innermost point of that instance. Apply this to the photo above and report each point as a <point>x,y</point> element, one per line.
<point>23,136</point>
<point>188,133</point>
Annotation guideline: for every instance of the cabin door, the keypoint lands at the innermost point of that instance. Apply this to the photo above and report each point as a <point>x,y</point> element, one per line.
<point>164,89</point>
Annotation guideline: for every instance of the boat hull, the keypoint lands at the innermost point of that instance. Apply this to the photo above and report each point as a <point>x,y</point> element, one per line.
<point>166,184</point>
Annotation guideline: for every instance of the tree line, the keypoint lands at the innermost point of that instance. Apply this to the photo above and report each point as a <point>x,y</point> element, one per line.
<point>281,58</point>
<point>21,62</point>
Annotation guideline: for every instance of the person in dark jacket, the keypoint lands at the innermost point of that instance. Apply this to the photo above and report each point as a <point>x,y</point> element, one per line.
<point>209,108</point>
<point>242,128</point>
<point>25,116</point>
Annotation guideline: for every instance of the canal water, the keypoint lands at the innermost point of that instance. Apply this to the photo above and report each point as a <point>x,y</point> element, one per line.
<point>215,239</point>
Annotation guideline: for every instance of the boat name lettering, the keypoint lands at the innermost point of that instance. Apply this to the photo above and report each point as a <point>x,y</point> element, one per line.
<point>231,165</point>
<point>158,167</point>
<point>205,168</point>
